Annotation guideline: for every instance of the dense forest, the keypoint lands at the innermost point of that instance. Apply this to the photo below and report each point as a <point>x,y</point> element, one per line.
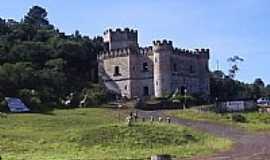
<point>42,65</point>
<point>46,67</point>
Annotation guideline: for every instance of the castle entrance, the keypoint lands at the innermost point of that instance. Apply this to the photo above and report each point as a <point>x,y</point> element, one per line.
<point>145,91</point>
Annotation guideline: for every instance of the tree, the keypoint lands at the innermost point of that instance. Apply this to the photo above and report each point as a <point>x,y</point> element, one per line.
<point>34,56</point>
<point>37,16</point>
<point>234,65</point>
<point>259,82</point>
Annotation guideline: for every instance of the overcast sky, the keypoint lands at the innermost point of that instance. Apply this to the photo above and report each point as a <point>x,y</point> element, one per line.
<point>227,27</point>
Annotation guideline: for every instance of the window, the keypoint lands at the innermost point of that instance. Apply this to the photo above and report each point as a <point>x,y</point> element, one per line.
<point>116,71</point>
<point>156,83</point>
<point>191,69</point>
<point>155,60</point>
<point>145,91</point>
<point>125,87</point>
<point>145,67</point>
<point>174,67</point>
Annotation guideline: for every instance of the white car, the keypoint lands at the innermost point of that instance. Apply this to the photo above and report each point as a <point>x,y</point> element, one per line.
<point>263,101</point>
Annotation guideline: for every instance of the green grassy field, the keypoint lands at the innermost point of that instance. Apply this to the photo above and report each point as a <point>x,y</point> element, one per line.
<point>84,134</point>
<point>258,122</point>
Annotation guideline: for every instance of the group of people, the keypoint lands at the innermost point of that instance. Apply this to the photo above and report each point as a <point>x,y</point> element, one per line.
<point>133,116</point>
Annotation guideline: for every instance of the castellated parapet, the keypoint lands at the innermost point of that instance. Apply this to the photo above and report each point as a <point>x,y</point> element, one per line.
<point>157,70</point>
<point>121,31</point>
<point>117,39</point>
<point>162,45</point>
<point>198,53</point>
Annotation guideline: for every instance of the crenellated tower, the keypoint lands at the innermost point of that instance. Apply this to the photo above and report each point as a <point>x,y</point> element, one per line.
<point>158,70</point>
<point>119,39</point>
<point>162,67</point>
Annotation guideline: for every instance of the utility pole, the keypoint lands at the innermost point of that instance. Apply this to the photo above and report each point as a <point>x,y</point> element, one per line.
<point>217,64</point>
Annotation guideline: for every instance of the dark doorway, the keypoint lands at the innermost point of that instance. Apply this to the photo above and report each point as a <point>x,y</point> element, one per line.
<point>145,91</point>
<point>183,88</point>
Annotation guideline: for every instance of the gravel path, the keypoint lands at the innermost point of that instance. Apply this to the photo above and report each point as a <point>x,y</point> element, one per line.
<point>248,146</point>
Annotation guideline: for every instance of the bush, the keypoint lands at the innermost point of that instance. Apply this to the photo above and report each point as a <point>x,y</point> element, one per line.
<point>31,99</point>
<point>93,95</point>
<point>3,105</point>
<point>239,118</point>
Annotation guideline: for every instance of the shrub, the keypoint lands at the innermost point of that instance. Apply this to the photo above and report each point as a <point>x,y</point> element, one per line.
<point>31,99</point>
<point>239,118</point>
<point>93,95</point>
<point>3,105</point>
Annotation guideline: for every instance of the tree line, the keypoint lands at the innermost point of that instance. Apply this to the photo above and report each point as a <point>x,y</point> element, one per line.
<point>223,87</point>
<point>43,65</point>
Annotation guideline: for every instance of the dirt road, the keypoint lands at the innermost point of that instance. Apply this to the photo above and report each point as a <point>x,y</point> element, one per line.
<point>248,146</point>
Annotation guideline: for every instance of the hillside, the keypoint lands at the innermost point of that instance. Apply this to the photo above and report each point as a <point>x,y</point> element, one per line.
<point>96,134</point>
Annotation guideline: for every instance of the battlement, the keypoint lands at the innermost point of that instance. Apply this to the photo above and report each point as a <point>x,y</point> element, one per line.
<point>115,53</point>
<point>142,51</point>
<point>162,43</point>
<point>203,50</point>
<point>146,51</point>
<point>120,38</point>
<point>121,31</point>
<point>199,53</point>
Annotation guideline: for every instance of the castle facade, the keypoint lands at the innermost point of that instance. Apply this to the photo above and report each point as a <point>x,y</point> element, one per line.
<point>158,70</point>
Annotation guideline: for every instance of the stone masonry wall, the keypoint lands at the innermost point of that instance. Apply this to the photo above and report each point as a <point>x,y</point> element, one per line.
<point>159,69</point>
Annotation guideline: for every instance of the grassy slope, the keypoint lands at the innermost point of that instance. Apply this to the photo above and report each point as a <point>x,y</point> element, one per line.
<point>255,121</point>
<point>95,134</point>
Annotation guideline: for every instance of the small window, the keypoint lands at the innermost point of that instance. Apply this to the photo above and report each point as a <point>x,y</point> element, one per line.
<point>191,69</point>
<point>155,60</point>
<point>145,91</point>
<point>175,67</point>
<point>156,83</point>
<point>116,71</point>
<point>145,67</point>
<point>125,87</point>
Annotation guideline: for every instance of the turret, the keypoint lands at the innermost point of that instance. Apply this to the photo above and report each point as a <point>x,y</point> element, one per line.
<point>203,52</point>
<point>118,39</point>
<point>162,68</point>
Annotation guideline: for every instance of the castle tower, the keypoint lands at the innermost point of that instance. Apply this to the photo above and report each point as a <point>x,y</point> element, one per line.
<point>120,39</point>
<point>162,67</point>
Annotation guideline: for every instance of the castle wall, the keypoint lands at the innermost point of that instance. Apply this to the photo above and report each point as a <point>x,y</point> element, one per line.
<point>140,77</point>
<point>121,82</point>
<point>190,72</point>
<point>204,77</point>
<point>138,87</point>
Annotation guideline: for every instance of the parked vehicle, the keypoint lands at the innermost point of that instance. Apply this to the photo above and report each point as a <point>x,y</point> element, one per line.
<point>263,101</point>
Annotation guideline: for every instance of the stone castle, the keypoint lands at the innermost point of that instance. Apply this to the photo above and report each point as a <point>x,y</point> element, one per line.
<point>157,70</point>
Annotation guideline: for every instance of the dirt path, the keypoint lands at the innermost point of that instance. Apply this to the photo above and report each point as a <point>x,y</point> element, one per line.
<point>247,146</point>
